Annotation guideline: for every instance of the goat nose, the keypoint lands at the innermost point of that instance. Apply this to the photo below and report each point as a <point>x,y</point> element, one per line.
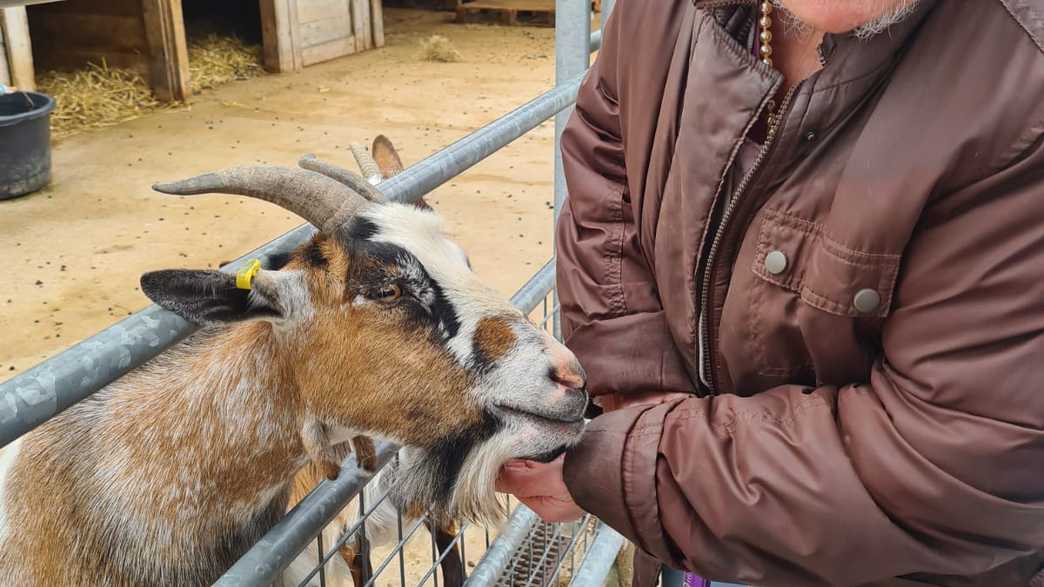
<point>569,374</point>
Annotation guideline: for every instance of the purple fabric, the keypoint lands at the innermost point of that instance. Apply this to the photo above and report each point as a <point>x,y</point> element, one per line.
<point>692,580</point>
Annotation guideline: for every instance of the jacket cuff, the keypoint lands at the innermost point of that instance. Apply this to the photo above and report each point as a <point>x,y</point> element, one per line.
<point>593,472</point>
<point>611,474</point>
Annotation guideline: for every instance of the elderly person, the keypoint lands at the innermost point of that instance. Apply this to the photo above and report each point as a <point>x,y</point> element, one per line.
<point>803,264</point>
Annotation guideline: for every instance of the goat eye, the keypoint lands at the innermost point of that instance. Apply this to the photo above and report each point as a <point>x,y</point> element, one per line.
<point>388,294</point>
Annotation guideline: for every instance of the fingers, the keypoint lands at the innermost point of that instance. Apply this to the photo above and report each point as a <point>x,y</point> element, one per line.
<point>530,478</point>
<point>553,509</point>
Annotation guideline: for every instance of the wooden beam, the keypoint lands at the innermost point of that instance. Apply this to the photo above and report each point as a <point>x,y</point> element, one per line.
<point>360,10</point>
<point>5,74</point>
<point>168,49</point>
<point>377,15</point>
<point>19,51</point>
<point>9,3</point>
<point>280,54</point>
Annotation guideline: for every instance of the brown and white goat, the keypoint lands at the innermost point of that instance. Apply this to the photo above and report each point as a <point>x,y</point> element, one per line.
<point>352,566</point>
<point>377,326</point>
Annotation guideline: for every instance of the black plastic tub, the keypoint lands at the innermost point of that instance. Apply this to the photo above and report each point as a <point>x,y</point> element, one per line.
<point>25,143</point>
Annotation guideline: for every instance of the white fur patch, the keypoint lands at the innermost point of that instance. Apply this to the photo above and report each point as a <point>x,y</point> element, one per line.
<point>421,233</point>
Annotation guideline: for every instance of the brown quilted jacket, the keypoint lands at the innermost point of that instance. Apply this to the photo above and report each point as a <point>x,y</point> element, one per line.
<point>856,315</point>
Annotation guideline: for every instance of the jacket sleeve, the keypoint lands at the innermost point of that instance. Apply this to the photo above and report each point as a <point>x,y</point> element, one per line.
<point>612,317</point>
<point>932,466</point>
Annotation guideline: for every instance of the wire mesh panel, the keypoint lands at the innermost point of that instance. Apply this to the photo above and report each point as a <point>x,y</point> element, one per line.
<point>548,556</point>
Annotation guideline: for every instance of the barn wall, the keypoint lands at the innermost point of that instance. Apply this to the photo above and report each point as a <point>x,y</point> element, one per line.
<point>68,34</point>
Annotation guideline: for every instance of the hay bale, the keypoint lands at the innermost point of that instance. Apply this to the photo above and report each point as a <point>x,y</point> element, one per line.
<point>216,59</point>
<point>95,97</point>
<point>439,49</point>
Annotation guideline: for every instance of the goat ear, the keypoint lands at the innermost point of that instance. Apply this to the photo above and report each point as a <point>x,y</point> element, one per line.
<point>211,297</point>
<point>386,156</point>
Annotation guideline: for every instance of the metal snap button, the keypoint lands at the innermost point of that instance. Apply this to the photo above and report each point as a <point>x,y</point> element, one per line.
<point>776,262</point>
<point>810,135</point>
<point>866,301</point>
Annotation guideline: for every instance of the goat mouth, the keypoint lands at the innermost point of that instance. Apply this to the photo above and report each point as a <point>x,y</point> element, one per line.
<point>547,457</point>
<point>540,417</point>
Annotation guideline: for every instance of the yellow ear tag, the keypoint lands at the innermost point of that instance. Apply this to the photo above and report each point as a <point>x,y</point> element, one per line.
<point>245,277</point>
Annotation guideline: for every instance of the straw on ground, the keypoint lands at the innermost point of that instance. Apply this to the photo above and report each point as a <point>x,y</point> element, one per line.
<point>98,95</point>
<point>439,49</point>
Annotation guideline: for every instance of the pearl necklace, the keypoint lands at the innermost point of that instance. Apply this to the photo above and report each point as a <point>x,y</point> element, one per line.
<point>766,32</point>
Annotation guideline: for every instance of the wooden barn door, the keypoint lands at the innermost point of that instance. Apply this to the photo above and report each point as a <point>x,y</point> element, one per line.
<point>298,33</point>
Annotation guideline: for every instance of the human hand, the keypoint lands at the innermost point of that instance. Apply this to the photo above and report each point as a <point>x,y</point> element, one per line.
<point>541,487</point>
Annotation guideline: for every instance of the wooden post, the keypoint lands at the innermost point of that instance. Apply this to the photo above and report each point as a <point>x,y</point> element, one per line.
<point>14,25</point>
<point>5,74</point>
<point>360,11</point>
<point>377,14</point>
<point>278,32</point>
<point>168,49</point>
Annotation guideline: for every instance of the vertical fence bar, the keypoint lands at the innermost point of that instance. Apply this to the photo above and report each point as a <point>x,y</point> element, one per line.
<point>607,9</point>
<point>599,558</point>
<point>572,56</point>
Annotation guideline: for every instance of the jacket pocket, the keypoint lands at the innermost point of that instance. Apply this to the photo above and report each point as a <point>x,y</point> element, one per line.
<point>826,274</point>
<point>816,305</point>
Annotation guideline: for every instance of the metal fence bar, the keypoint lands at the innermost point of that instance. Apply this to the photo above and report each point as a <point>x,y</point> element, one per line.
<point>426,175</point>
<point>602,552</point>
<point>30,399</point>
<point>263,563</point>
<point>500,551</point>
<point>607,9</point>
<point>596,40</point>
<point>579,530</point>
<point>572,57</point>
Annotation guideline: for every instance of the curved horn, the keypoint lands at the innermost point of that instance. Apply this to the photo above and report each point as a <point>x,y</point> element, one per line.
<point>367,164</point>
<point>316,198</point>
<point>342,175</point>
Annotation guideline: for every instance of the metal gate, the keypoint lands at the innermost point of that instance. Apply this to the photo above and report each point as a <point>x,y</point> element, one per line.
<point>523,552</point>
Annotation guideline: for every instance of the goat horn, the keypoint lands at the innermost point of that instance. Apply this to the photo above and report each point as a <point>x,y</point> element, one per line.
<point>367,164</point>
<point>316,198</point>
<point>342,175</point>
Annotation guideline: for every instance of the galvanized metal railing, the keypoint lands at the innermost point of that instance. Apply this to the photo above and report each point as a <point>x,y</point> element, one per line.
<point>527,551</point>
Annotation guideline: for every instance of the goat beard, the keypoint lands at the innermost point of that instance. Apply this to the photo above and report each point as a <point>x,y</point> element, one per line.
<point>795,27</point>
<point>417,484</point>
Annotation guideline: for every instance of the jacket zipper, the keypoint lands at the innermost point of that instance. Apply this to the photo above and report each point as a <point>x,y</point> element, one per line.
<point>707,353</point>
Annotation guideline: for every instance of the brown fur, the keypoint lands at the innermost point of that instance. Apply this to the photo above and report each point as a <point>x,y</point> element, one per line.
<point>131,444</point>
<point>356,384</point>
<point>157,430</point>
<point>365,452</point>
<point>494,338</point>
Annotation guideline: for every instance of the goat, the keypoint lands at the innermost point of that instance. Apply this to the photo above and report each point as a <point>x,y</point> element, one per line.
<point>381,162</point>
<point>377,326</point>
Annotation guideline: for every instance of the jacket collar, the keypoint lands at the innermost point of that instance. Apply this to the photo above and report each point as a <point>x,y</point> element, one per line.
<point>848,57</point>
